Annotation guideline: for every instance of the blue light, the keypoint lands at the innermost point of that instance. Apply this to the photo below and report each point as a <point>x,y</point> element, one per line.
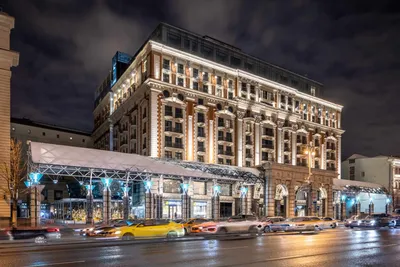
<point>35,177</point>
<point>126,189</point>
<point>89,187</point>
<point>184,187</point>
<point>27,183</point>
<point>388,200</point>
<point>55,181</point>
<point>147,186</point>
<point>243,191</point>
<point>106,182</point>
<point>217,190</point>
<point>81,183</point>
<point>343,197</point>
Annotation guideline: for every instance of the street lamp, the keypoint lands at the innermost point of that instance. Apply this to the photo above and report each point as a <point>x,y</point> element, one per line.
<point>310,152</point>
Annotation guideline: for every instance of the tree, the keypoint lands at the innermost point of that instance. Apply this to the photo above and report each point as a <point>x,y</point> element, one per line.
<point>12,175</point>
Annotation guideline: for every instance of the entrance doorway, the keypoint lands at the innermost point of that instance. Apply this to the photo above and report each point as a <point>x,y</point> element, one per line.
<point>172,209</point>
<point>225,209</point>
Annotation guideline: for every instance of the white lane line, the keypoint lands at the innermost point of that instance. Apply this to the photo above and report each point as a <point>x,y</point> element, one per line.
<point>230,248</point>
<point>55,263</point>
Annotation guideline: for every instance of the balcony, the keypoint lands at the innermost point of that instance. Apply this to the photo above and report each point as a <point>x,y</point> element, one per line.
<point>269,146</point>
<point>174,145</point>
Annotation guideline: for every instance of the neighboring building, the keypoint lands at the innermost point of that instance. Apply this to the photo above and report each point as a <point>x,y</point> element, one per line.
<point>26,130</point>
<point>8,59</point>
<point>383,170</point>
<point>190,97</point>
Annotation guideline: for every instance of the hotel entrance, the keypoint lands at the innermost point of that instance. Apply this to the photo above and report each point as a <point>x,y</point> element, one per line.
<point>172,209</point>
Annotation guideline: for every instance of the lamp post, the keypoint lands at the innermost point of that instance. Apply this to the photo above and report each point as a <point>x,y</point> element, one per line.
<point>310,152</point>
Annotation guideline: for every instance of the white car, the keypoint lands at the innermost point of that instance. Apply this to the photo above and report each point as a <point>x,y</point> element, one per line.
<point>235,224</point>
<point>328,222</point>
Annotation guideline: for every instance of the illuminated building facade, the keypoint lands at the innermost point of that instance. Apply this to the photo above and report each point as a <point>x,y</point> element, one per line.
<point>8,59</point>
<point>194,98</point>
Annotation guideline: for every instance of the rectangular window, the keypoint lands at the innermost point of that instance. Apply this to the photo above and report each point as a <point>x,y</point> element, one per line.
<point>230,95</point>
<point>201,132</point>
<point>178,155</point>
<point>178,113</point>
<point>178,127</point>
<point>199,188</point>
<point>166,77</point>
<point>219,80</point>
<point>228,162</point>
<point>220,135</point>
<point>235,61</point>
<point>229,137</point>
<point>205,76</point>
<point>166,64</point>
<point>180,69</point>
<point>351,161</point>
<point>248,164</point>
<point>200,101</point>
<point>168,154</point>
<point>252,89</point>
<point>226,190</point>
<point>200,146</point>
<point>221,56</point>
<point>221,122</point>
<point>195,85</point>
<point>168,141</point>
<point>168,126</point>
<point>180,81</point>
<point>171,186</point>
<point>200,117</point>
<point>168,111</point>
<point>220,161</point>
<point>207,51</point>
<point>200,158</point>
<point>352,173</point>
<point>174,39</point>
<point>230,84</point>
<point>205,88</point>
<point>195,73</point>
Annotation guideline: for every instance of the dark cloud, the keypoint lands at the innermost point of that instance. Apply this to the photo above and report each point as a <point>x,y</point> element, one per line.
<point>66,49</point>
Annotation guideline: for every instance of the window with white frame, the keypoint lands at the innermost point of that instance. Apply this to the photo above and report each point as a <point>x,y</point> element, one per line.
<point>180,68</point>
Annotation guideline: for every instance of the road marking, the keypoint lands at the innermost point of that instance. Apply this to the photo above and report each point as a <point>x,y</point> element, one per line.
<point>56,263</point>
<point>229,248</point>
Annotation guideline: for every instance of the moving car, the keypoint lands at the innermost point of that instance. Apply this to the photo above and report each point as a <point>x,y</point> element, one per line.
<point>353,220</point>
<point>98,230</point>
<point>271,220</point>
<point>148,228</point>
<point>329,222</point>
<point>193,222</point>
<point>235,224</point>
<point>375,221</point>
<point>298,224</point>
<point>39,235</point>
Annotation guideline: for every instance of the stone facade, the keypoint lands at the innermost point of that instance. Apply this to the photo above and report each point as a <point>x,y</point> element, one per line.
<point>8,59</point>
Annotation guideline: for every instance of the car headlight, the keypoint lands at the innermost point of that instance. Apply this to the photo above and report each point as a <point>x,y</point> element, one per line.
<point>200,227</point>
<point>90,229</point>
<point>292,225</point>
<point>117,232</point>
<point>359,222</point>
<point>97,231</point>
<point>373,222</point>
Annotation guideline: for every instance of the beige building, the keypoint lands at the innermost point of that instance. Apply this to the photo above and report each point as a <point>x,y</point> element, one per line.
<point>193,98</point>
<point>8,59</point>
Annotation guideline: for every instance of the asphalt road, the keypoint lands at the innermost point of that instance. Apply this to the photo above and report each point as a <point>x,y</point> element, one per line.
<point>338,247</point>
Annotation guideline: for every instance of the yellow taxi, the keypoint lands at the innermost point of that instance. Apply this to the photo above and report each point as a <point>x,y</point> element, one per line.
<point>150,228</point>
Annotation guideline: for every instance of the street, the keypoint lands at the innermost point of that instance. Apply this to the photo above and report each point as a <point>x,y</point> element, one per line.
<point>338,247</point>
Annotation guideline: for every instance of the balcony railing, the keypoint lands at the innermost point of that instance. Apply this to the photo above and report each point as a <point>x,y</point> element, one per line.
<point>270,146</point>
<point>174,145</point>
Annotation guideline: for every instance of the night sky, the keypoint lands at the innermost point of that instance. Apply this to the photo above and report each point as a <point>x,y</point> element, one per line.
<point>353,49</point>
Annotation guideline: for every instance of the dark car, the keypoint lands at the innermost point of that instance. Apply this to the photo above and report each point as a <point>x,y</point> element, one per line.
<point>39,235</point>
<point>94,231</point>
<point>375,221</point>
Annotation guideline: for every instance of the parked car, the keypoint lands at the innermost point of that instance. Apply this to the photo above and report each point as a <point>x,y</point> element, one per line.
<point>375,221</point>
<point>298,224</point>
<point>38,235</point>
<point>235,224</point>
<point>396,219</point>
<point>329,222</point>
<point>353,220</point>
<point>146,229</point>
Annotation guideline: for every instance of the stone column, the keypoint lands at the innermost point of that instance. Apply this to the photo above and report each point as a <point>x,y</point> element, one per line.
<point>106,205</point>
<point>35,201</point>
<point>148,207</point>
<point>292,199</point>
<point>125,201</point>
<point>239,136</point>
<point>215,207</point>
<point>257,141</point>
<point>342,211</point>
<point>357,208</point>
<point>329,200</point>
<point>89,206</point>
<point>286,102</point>
<point>248,91</point>
<point>153,122</point>
<point>371,208</point>
<point>190,138</point>
<point>339,156</point>
<point>294,148</point>
<point>279,143</point>
<point>211,140</point>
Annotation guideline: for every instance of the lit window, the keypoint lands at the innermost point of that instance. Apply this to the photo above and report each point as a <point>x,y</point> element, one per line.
<point>13,128</point>
<point>70,138</point>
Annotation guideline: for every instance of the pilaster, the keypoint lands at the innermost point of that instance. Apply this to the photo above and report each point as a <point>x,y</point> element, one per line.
<point>154,122</point>
<point>257,141</point>
<point>239,136</point>
<point>339,156</point>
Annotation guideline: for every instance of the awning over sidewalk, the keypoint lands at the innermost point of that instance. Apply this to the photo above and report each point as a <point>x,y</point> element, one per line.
<point>51,159</point>
<point>358,187</point>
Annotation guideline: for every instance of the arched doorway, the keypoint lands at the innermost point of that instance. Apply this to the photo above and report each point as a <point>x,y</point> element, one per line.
<point>322,202</point>
<point>301,208</point>
<point>281,199</point>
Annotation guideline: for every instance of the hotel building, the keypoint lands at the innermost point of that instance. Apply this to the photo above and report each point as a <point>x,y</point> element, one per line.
<point>188,97</point>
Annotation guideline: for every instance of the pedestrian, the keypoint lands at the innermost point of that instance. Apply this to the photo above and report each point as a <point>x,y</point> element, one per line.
<point>176,216</point>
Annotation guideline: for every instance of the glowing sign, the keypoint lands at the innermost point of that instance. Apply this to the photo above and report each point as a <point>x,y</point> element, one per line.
<point>35,177</point>
<point>147,186</point>
<point>106,182</point>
